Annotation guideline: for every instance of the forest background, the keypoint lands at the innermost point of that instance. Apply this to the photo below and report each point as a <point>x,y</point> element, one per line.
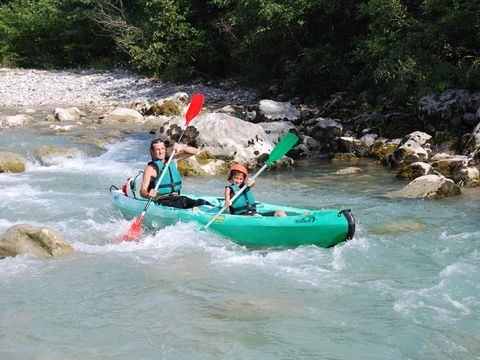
<point>397,51</point>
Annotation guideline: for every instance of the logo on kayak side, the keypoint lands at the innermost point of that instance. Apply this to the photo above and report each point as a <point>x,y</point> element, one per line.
<point>306,219</point>
<point>220,219</point>
<point>115,197</point>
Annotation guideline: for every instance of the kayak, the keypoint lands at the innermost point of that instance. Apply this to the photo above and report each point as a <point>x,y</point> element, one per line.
<point>323,228</point>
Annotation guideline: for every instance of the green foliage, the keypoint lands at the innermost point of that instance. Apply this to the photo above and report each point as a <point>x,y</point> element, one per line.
<point>409,50</point>
<point>399,49</point>
<point>48,34</point>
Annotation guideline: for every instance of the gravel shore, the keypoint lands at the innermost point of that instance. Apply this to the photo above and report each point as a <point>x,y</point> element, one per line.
<point>28,87</point>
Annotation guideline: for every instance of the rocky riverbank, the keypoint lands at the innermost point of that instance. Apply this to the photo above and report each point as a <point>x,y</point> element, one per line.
<point>30,88</point>
<point>438,146</point>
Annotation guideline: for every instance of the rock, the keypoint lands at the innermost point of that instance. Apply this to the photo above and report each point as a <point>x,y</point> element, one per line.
<point>369,139</point>
<point>398,227</point>
<point>469,176</point>
<point>123,116</point>
<point>351,145</point>
<point>449,107</point>
<point>11,162</point>
<point>325,131</point>
<point>344,157</point>
<point>470,119</point>
<point>413,147</point>
<point>229,110</point>
<point>382,149</point>
<point>414,170</point>
<point>27,239</point>
<point>299,151</point>
<point>60,129</point>
<point>49,155</point>
<point>278,129</point>
<point>202,164</point>
<point>273,110</point>
<point>68,114</point>
<point>427,187</point>
<point>450,166</point>
<point>349,170</point>
<point>225,137</point>
<point>17,120</point>
<point>179,97</point>
<point>164,107</point>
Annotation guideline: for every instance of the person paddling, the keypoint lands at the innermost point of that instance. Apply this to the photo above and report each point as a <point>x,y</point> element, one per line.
<point>168,192</point>
<point>245,203</point>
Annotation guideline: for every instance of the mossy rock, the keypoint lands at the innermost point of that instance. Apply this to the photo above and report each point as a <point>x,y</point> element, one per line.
<point>406,173</point>
<point>381,151</point>
<point>344,157</point>
<point>11,162</point>
<point>186,169</point>
<point>167,108</point>
<point>47,150</point>
<point>204,157</point>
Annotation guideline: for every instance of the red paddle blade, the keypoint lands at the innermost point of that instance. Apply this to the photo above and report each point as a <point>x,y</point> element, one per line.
<point>135,231</point>
<point>194,108</point>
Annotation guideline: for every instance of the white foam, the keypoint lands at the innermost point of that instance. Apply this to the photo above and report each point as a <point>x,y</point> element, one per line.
<point>460,236</point>
<point>457,269</point>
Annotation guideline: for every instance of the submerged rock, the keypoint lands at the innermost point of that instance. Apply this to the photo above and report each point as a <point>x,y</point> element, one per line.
<point>11,162</point>
<point>27,239</point>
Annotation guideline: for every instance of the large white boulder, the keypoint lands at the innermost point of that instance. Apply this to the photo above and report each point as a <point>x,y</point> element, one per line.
<point>222,135</point>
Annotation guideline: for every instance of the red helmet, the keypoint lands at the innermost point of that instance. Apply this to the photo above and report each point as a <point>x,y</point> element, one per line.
<point>237,167</point>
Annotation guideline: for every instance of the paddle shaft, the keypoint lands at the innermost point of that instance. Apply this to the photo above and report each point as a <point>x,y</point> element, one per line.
<point>236,195</point>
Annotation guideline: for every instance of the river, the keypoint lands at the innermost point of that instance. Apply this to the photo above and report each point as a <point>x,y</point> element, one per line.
<point>405,287</point>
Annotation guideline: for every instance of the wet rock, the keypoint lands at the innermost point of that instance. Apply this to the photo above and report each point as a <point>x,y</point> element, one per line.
<point>11,162</point>
<point>165,107</point>
<point>123,116</point>
<point>50,155</point>
<point>43,242</point>
<point>427,187</point>
<point>413,147</point>
<point>348,171</point>
<point>68,114</point>
<point>383,148</point>
<point>352,145</point>
<point>338,157</point>
<point>414,170</point>
<point>17,120</point>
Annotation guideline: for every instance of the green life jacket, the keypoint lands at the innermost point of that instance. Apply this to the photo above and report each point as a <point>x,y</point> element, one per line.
<point>243,204</point>
<point>171,182</point>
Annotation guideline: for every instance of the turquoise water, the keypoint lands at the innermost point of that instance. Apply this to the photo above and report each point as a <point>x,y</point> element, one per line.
<point>406,286</point>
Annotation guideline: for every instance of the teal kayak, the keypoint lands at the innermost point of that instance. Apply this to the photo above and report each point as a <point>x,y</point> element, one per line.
<point>323,228</point>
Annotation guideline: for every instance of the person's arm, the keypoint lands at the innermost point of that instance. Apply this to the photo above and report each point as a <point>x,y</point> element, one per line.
<point>148,174</point>
<point>227,197</point>
<point>183,151</point>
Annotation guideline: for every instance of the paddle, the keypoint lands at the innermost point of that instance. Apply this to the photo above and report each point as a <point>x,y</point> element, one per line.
<point>135,231</point>
<point>278,151</point>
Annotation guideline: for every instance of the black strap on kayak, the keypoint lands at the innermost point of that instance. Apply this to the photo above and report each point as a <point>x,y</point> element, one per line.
<point>351,222</point>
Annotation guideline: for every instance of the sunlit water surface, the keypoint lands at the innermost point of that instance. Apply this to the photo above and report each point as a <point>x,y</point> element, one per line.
<point>406,286</point>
